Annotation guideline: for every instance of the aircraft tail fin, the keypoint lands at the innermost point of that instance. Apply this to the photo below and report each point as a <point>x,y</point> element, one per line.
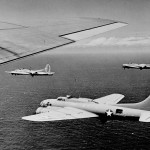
<point>143,105</point>
<point>48,68</point>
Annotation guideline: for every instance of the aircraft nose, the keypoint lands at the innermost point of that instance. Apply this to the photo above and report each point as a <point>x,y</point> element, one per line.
<point>45,103</point>
<point>41,110</point>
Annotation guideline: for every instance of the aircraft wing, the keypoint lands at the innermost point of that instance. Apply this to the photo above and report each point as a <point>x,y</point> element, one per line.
<point>110,99</point>
<point>17,72</point>
<point>21,39</point>
<point>61,114</point>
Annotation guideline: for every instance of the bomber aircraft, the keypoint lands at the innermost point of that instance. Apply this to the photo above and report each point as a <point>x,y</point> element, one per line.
<point>136,66</point>
<point>106,108</point>
<point>42,72</point>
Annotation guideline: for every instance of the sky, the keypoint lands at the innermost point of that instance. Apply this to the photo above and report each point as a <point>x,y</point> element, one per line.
<point>134,12</point>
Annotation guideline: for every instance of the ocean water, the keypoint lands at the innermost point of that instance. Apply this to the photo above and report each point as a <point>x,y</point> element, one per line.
<point>92,75</point>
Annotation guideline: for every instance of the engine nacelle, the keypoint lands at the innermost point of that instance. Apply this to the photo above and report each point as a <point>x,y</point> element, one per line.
<point>42,110</point>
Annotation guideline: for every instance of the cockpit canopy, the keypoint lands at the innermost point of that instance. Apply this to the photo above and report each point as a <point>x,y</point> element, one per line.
<point>64,98</point>
<point>61,98</point>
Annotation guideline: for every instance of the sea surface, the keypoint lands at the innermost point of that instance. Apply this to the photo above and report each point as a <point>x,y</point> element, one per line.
<point>94,73</point>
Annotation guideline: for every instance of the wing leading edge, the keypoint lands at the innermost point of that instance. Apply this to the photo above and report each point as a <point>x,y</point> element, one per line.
<point>18,41</point>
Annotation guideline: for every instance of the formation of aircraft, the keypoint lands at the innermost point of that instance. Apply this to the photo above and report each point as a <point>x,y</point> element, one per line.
<point>36,37</point>
<point>42,72</point>
<point>106,108</point>
<point>136,66</point>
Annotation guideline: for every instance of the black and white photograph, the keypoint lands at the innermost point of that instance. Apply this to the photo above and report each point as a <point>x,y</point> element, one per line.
<point>74,74</point>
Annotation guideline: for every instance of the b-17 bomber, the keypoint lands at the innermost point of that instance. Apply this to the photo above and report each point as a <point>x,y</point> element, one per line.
<point>42,72</point>
<point>136,66</point>
<point>106,108</point>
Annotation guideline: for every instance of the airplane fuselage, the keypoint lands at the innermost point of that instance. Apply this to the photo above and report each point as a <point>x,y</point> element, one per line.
<point>100,109</point>
<point>22,72</point>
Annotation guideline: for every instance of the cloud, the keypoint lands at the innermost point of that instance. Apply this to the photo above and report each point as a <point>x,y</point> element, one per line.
<point>117,41</point>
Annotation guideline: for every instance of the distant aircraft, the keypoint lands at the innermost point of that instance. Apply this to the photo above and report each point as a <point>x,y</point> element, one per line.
<point>136,66</point>
<point>106,108</point>
<point>43,72</point>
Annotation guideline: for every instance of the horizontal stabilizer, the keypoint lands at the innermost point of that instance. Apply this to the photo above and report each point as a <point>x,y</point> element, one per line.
<point>61,114</point>
<point>145,117</point>
<point>110,99</point>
